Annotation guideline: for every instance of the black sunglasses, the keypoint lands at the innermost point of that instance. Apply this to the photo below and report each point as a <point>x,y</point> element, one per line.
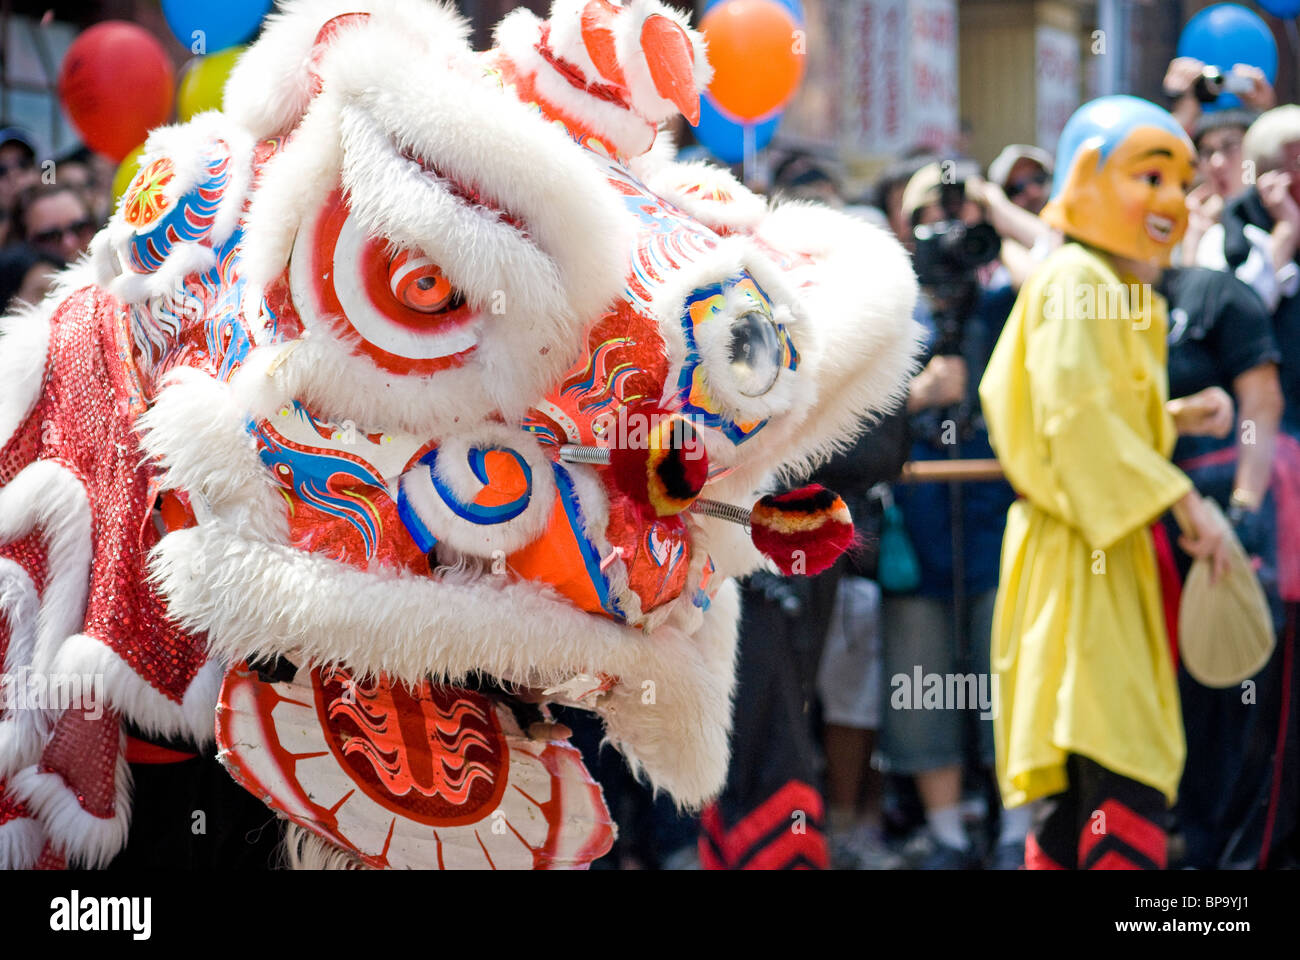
<point>81,231</point>
<point>24,164</point>
<point>1020,186</point>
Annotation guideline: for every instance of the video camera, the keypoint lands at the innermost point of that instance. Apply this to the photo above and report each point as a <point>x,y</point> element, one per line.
<point>947,256</point>
<point>951,250</point>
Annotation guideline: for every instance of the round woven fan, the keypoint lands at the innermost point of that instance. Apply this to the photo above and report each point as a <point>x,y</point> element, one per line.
<point>1225,631</point>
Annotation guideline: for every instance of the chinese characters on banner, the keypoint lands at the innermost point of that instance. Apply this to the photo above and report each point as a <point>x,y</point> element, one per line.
<point>1057,67</point>
<point>932,103</point>
<point>873,88</point>
<point>900,87</point>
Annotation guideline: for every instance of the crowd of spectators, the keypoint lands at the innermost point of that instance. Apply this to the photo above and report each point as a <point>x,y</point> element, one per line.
<point>910,787</point>
<point>824,665</point>
<point>49,211</point>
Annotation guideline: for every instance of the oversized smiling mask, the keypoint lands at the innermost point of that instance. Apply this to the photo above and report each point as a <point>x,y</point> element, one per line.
<point>319,454</point>
<point>1122,173</point>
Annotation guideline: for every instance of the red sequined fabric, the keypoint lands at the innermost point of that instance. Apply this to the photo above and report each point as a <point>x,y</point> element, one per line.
<point>84,753</point>
<point>51,859</point>
<point>29,553</point>
<point>11,808</point>
<point>20,451</point>
<point>87,420</point>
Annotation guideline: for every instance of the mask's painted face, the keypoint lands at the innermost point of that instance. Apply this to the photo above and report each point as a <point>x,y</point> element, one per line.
<point>1123,169</point>
<point>701,330</point>
<point>1133,203</point>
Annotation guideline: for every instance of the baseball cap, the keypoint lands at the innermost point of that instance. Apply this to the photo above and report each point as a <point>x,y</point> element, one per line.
<point>1000,169</point>
<point>18,135</point>
<point>926,185</point>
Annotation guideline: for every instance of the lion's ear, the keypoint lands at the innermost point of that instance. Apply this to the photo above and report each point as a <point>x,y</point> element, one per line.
<point>274,83</point>
<point>325,38</point>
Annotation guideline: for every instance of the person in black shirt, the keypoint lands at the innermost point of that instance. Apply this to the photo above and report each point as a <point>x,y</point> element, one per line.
<point>771,814</point>
<point>1261,245</point>
<point>1220,335</point>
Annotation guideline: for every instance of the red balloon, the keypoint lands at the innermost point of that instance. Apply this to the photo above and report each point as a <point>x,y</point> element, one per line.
<point>756,48</point>
<point>116,84</point>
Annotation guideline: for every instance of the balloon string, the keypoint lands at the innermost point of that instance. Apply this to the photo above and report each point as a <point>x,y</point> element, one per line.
<point>751,153</point>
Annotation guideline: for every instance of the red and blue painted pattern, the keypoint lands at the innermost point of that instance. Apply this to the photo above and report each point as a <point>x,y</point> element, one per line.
<point>590,555</point>
<point>703,596</point>
<point>501,499</point>
<point>598,387</point>
<point>669,240</point>
<point>329,481</point>
<point>227,334</point>
<point>189,221</point>
<point>665,545</point>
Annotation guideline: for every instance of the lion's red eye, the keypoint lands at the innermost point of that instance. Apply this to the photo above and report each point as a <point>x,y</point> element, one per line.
<point>417,282</point>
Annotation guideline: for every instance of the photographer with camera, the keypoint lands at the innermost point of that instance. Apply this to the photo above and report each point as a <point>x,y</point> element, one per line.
<point>943,626</point>
<point>1192,86</point>
<point>1024,173</point>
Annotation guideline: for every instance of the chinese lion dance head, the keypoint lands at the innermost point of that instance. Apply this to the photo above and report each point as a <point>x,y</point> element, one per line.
<point>320,460</point>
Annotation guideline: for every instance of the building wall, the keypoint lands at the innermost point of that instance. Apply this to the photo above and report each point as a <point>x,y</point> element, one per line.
<point>1023,69</point>
<point>876,80</point>
<point>881,80</point>
<point>35,35</point>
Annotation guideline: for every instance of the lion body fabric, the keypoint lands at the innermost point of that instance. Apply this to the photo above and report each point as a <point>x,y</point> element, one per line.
<point>281,461</point>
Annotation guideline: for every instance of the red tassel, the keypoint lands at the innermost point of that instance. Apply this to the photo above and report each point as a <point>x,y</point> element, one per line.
<point>804,531</point>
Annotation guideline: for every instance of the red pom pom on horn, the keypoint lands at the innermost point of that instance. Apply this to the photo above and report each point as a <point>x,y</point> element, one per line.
<point>665,473</point>
<point>804,531</point>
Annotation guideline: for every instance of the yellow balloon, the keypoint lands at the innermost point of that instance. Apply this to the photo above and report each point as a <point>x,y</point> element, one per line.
<point>126,173</point>
<point>204,82</point>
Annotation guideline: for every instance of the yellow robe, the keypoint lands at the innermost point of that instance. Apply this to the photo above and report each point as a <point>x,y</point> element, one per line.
<point>1074,397</point>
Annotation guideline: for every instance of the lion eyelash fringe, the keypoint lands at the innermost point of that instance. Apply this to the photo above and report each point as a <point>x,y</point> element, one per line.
<point>303,850</point>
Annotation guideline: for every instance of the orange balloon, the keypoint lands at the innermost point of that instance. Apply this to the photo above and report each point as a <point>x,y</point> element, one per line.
<point>757,51</point>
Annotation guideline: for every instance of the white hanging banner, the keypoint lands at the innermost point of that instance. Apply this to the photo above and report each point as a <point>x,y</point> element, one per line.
<point>1058,77</point>
<point>932,100</point>
<point>900,74</point>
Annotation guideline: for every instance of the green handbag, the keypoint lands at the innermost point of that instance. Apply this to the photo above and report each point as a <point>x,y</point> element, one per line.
<point>899,570</point>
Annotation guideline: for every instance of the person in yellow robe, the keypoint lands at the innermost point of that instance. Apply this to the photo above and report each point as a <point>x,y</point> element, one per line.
<point>1087,718</point>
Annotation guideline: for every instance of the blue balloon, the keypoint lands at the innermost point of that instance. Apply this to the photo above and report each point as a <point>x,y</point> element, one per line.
<point>219,26</point>
<point>724,137</point>
<point>794,6</point>
<point>1282,9</point>
<point>1227,34</point>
